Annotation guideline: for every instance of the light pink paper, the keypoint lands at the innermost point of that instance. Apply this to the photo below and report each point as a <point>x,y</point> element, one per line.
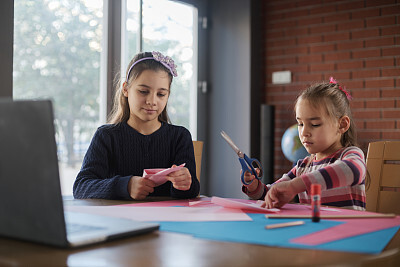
<point>159,176</point>
<point>236,204</point>
<point>164,214</point>
<point>172,203</point>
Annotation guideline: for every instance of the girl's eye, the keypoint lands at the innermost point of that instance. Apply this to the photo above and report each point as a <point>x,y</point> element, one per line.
<point>143,92</point>
<point>161,95</point>
<point>299,124</point>
<point>316,125</point>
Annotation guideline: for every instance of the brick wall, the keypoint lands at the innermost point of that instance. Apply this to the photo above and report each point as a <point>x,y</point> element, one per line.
<point>356,42</point>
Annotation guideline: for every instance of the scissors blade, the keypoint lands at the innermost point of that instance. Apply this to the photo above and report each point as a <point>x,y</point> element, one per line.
<point>232,144</point>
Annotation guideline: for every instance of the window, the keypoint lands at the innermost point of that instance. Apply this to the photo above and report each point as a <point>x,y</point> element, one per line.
<point>171,28</point>
<point>58,55</point>
<point>57,47</point>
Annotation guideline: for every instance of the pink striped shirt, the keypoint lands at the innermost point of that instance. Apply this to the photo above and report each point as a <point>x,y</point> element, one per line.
<point>341,176</point>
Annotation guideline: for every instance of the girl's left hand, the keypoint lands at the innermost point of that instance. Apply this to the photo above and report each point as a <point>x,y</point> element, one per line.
<point>282,192</point>
<point>278,195</point>
<point>180,179</point>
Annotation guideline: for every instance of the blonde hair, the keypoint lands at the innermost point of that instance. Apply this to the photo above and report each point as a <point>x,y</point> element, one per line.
<point>120,111</point>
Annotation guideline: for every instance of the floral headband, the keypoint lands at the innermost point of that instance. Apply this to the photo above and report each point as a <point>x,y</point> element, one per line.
<point>157,56</point>
<point>349,97</point>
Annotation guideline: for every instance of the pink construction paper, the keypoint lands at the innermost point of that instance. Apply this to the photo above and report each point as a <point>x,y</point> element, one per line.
<point>196,202</point>
<point>159,176</point>
<point>236,204</point>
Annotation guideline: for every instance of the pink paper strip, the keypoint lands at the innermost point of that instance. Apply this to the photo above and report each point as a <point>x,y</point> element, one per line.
<point>351,227</point>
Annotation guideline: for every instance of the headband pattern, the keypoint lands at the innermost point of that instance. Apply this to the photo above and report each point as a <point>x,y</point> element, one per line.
<point>343,89</point>
<point>166,61</point>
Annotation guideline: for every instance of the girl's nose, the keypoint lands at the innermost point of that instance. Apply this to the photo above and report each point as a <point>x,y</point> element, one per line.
<point>151,99</point>
<point>304,131</point>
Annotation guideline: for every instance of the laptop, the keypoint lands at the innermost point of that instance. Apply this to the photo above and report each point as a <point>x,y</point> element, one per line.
<point>31,204</point>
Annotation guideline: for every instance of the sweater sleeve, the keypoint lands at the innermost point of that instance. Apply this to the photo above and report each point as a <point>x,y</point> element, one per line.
<point>94,179</point>
<point>348,170</point>
<point>259,193</point>
<point>262,188</point>
<point>184,153</point>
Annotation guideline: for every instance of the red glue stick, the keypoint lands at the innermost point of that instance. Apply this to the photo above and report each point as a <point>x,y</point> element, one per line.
<point>315,201</point>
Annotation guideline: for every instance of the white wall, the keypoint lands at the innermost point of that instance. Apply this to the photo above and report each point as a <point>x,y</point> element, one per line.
<point>229,95</point>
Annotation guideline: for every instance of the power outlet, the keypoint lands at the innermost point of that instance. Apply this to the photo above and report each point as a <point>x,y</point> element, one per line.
<point>282,77</point>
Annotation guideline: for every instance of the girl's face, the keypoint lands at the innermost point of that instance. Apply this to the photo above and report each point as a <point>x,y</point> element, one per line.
<point>318,132</point>
<point>147,96</point>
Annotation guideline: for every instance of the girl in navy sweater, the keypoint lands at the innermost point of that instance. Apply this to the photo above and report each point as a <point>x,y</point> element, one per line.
<point>139,137</point>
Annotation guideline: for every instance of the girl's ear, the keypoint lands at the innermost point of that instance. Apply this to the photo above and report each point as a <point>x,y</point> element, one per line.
<point>344,124</point>
<point>125,89</point>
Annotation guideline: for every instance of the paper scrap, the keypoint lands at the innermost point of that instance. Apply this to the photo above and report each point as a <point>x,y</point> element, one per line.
<point>159,176</point>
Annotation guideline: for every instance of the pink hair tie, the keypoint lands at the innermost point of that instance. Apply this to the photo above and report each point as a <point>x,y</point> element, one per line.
<point>349,97</point>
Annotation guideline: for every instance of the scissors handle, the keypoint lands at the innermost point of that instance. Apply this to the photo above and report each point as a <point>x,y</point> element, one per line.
<point>249,164</point>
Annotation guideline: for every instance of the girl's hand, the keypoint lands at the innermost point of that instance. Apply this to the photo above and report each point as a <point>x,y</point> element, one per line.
<point>139,187</point>
<point>278,195</point>
<point>181,179</point>
<point>282,192</point>
<point>250,178</point>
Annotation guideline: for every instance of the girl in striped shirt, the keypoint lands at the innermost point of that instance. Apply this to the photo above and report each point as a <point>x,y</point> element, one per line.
<point>327,131</point>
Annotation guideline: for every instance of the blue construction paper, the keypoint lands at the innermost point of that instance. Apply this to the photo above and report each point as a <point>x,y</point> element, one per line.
<point>247,231</point>
<point>254,232</point>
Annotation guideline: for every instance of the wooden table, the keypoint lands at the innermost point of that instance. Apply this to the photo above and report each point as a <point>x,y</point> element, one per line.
<point>170,249</point>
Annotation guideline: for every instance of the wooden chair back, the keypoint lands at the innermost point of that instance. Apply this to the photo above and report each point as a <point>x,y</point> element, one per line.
<point>383,165</point>
<point>198,151</point>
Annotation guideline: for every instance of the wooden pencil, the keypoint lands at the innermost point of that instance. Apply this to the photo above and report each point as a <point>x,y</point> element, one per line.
<point>286,224</point>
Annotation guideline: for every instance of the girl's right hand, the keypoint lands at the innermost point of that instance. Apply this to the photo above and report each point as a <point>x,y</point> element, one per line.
<point>139,187</point>
<point>250,178</point>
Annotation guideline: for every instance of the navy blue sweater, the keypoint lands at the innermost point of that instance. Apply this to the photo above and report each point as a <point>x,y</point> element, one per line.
<point>118,152</point>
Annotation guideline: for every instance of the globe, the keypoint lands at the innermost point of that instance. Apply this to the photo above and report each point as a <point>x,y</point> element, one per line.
<point>291,145</point>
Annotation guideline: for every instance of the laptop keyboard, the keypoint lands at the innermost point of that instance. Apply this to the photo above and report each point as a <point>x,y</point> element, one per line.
<point>76,228</point>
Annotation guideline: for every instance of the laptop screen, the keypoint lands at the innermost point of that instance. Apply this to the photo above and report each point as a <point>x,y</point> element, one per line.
<point>31,206</point>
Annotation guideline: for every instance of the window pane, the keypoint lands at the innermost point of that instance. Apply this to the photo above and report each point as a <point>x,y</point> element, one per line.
<point>130,32</point>
<point>171,28</point>
<point>57,46</point>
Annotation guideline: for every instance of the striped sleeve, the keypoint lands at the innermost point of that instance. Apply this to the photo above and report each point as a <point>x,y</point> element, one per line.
<point>262,188</point>
<point>348,170</point>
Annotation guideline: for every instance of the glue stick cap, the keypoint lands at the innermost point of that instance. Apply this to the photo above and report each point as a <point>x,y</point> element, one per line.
<point>315,189</point>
